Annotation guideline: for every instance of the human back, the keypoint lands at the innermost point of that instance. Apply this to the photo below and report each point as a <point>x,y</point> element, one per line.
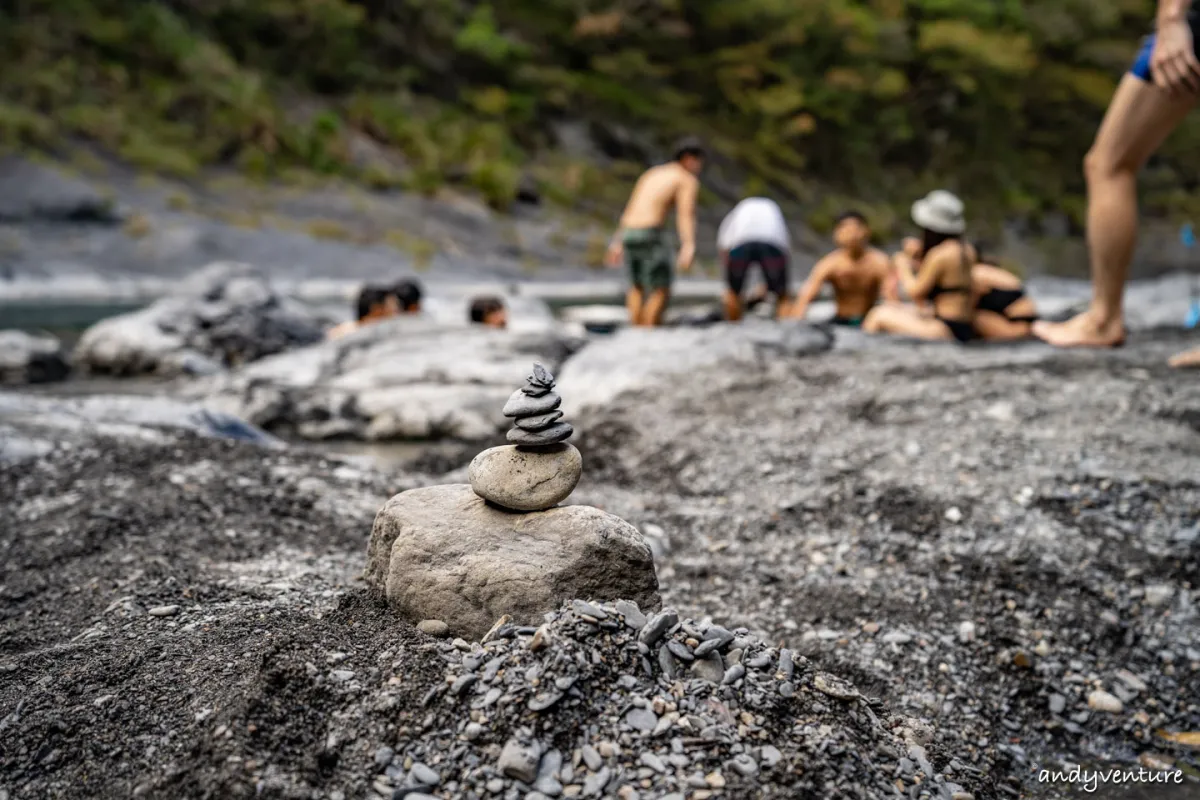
<point>949,260</point>
<point>654,195</point>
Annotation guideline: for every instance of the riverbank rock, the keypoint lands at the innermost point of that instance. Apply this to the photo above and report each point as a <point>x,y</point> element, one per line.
<point>403,378</point>
<point>226,314</point>
<point>25,358</point>
<point>442,552</point>
<point>636,359</point>
<point>33,192</point>
<point>32,425</point>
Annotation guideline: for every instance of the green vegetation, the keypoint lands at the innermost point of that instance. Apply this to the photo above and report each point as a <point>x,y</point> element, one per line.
<point>844,98</point>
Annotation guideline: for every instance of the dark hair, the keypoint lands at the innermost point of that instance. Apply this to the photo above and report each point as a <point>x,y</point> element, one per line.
<point>482,306</point>
<point>408,292</point>
<point>688,146</point>
<point>850,213</point>
<point>931,239</point>
<point>369,297</point>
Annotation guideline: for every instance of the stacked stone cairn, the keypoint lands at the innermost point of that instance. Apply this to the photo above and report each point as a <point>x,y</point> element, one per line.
<point>539,469</point>
<point>457,558</point>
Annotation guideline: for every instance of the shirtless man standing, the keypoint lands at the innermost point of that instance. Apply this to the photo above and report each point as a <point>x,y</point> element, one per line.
<point>858,272</point>
<point>641,240</point>
<point>1151,101</point>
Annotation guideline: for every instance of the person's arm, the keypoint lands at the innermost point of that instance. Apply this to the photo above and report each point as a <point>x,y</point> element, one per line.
<point>889,284</point>
<point>812,287</point>
<point>916,286</point>
<point>1173,64</point>
<point>615,253</point>
<point>685,221</point>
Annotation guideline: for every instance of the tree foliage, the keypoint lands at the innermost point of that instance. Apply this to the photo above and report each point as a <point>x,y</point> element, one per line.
<point>998,100</point>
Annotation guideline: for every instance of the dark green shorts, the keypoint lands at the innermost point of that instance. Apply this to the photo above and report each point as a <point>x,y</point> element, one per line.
<point>649,257</point>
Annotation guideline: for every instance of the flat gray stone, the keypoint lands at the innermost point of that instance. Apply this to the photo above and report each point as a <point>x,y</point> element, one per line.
<point>539,422</point>
<point>558,432</point>
<point>522,405</point>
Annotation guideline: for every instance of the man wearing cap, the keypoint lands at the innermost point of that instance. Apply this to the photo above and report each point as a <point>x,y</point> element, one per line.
<point>641,240</point>
<point>1151,101</point>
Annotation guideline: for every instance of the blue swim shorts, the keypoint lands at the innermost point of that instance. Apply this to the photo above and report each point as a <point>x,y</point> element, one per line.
<point>1141,64</point>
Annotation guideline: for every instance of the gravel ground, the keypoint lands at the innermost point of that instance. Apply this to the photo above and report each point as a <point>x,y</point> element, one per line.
<point>924,571</point>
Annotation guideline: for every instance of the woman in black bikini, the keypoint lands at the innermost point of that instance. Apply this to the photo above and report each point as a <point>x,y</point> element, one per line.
<point>943,278</point>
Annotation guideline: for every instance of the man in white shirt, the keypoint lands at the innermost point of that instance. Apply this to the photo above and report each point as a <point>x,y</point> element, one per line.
<point>755,232</point>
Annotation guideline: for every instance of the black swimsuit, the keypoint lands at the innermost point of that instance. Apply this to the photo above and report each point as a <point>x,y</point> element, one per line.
<point>962,330</point>
<point>998,301</point>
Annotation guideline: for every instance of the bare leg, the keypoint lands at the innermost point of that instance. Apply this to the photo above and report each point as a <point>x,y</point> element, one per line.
<point>904,321</point>
<point>998,328</point>
<point>633,304</point>
<point>783,307</point>
<point>1190,359</point>
<point>733,305</point>
<point>656,304</point>
<point>1137,121</point>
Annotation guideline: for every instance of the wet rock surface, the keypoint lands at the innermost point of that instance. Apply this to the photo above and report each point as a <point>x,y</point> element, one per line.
<point>223,315</point>
<point>34,425</point>
<point>951,654</point>
<point>27,358</point>
<point>403,378</point>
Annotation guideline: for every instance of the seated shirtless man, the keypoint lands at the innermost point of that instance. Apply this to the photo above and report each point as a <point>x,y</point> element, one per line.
<point>857,271</point>
<point>641,240</point>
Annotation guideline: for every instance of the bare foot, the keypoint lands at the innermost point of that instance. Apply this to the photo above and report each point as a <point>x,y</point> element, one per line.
<point>1081,331</point>
<point>1185,360</point>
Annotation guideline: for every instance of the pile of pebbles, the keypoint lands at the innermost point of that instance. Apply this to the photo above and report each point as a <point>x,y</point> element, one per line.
<point>534,411</point>
<point>604,701</point>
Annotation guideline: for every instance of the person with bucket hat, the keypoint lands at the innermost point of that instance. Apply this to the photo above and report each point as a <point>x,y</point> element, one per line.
<point>1150,102</point>
<point>942,278</point>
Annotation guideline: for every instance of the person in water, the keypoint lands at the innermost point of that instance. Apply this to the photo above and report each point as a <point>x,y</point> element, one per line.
<point>1003,312</point>
<point>942,277</point>
<point>755,232</point>
<point>373,304</point>
<point>641,240</point>
<point>489,311</point>
<point>857,272</point>
<point>1151,101</point>
<point>408,296</point>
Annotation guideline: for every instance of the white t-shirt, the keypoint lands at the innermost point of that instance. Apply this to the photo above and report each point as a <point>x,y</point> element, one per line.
<point>755,219</point>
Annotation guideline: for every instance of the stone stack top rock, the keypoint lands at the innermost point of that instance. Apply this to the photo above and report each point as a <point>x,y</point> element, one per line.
<point>534,411</point>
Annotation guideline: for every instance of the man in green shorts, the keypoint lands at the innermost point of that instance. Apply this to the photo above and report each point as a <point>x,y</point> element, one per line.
<point>642,242</point>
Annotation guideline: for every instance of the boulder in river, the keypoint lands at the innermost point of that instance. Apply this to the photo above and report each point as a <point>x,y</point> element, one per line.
<point>636,359</point>
<point>32,425</point>
<point>402,378</point>
<point>26,358</point>
<point>442,552</point>
<point>224,315</point>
